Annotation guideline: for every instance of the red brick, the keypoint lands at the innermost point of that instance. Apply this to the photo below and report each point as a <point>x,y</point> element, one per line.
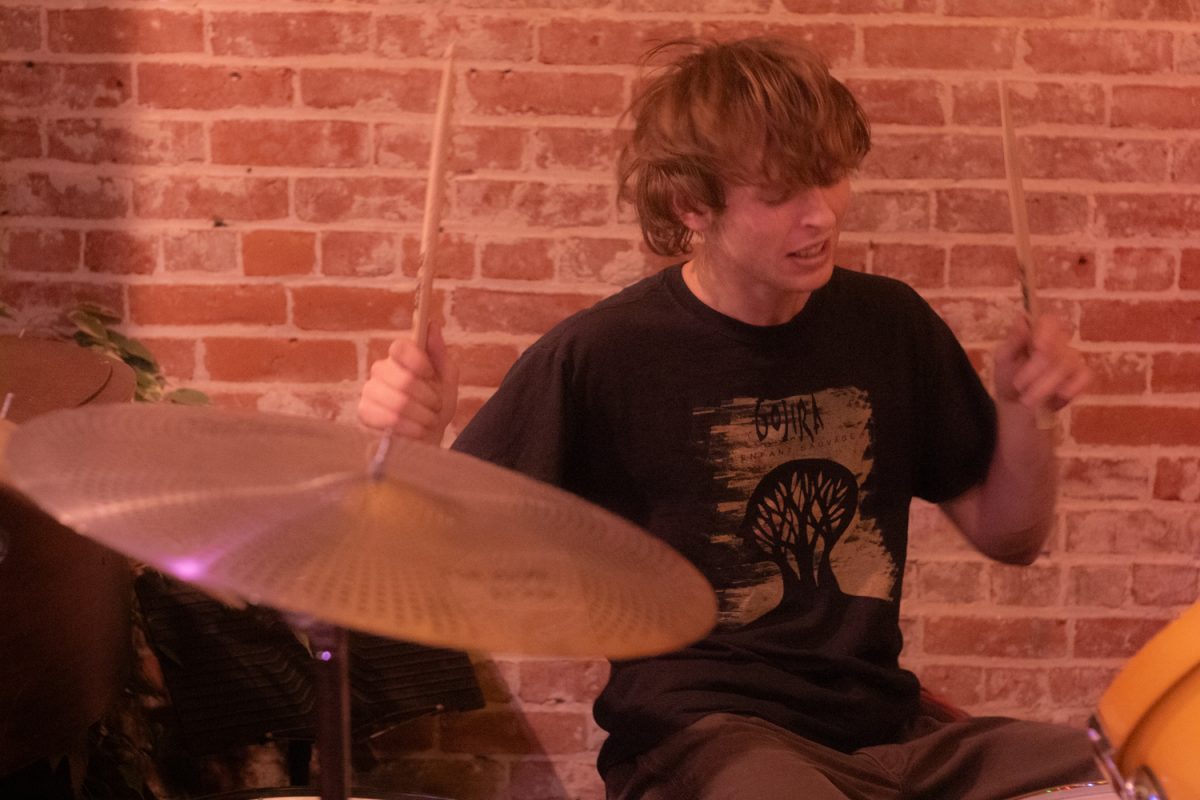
<point>1138,532</point>
<point>1189,270</point>
<point>1078,686</point>
<point>987,211</point>
<point>1037,585</point>
<point>327,200</point>
<point>861,6</point>
<point>482,310</point>
<point>125,30</point>
<point>292,33</point>
<point>40,194</point>
<point>1175,372</point>
<point>834,42</point>
<point>490,731</point>
<point>1165,584</point>
<point>1103,479</point>
<point>888,212</point>
<point>532,203</point>
<point>1093,159</point>
<point>495,38</point>
<point>957,684</point>
<point>523,259</point>
<point>371,89</point>
<point>483,364</point>
<point>40,250</point>
<point>1065,267</point>
<point>976,320</point>
<point>947,582</point>
<point>176,357</point>
<point>513,91</point>
<point>1177,479</point>
<point>20,29</point>
<point>1106,586</point>
<point>345,308</point>
<point>1187,60</point>
<point>1155,106</point>
<point>1186,162</point>
<point>278,252</point>
<point>455,256</point>
<point>1013,686</point>
<point>1137,425</point>
<point>927,156</point>
<point>26,84</point>
<point>207,305</point>
<point>619,262</point>
<point>1165,215</point>
<point>899,102</point>
<point>1140,321</point>
<point>290,143</point>
<point>978,103</point>
<point>603,41</point>
<point>96,141</point>
<point>585,149</point>
<point>407,146</point>
<point>212,88</point>
<point>121,252</point>
<point>920,266</point>
<point>200,251</point>
<point>280,360</point>
<point>410,736</point>
<point>20,138</point>
<point>360,253</point>
<point>849,253</point>
<point>939,47</point>
<point>552,780</point>
<point>1141,269</point>
<point>997,637</point>
<point>50,298</point>
<point>724,6</point>
<point>1052,9</point>
<point>975,266</point>
<point>1104,51</point>
<point>562,681</point>
<point>1183,10</point>
<point>214,198</point>
<point>1118,373</point>
<point>1113,637</point>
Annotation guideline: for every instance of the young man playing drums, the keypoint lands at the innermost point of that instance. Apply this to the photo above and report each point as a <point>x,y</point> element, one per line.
<point>771,416</point>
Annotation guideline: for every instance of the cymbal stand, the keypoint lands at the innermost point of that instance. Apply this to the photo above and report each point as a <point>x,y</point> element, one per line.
<point>331,677</point>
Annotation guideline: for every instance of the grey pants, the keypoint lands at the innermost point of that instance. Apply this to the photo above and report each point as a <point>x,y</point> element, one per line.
<point>728,757</point>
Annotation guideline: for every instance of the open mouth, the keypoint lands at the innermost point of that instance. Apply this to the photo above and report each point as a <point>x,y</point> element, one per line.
<point>812,251</point>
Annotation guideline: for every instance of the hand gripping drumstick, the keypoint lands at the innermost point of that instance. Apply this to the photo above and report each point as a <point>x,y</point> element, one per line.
<point>434,191</point>
<point>1020,223</point>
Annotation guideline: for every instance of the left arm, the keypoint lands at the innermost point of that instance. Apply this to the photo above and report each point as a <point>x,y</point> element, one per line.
<point>1009,515</point>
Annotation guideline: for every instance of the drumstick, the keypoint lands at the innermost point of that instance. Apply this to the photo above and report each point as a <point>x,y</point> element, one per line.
<point>434,191</point>
<point>1020,222</point>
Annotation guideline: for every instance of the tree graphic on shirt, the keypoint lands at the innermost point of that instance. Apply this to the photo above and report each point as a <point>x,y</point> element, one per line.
<point>796,515</point>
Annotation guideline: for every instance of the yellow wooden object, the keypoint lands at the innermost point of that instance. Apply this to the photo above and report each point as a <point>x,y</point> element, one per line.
<point>1151,711</point>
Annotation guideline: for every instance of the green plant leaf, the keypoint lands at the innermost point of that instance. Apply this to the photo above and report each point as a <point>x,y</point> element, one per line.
<point>133,348</point>
<point>89,324</point>
<point>102,313</point>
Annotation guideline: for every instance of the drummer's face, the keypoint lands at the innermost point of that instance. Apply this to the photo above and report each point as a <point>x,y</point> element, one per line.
<point>768,241</point>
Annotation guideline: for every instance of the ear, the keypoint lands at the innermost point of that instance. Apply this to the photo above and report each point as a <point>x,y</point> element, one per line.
<point>697,220</point>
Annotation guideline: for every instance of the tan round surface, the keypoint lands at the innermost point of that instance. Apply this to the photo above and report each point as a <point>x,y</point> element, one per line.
<point>444,550</point>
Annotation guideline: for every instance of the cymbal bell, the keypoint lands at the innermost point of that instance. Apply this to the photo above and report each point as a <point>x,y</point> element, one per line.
<point>442,549</point>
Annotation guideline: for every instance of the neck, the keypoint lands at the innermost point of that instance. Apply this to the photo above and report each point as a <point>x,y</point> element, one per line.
<point>755,304</point>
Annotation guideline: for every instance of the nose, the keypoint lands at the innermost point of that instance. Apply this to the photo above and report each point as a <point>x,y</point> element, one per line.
<point>816,207</point>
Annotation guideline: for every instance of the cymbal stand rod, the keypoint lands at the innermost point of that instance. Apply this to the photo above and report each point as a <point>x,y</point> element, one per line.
<point>331,673</point>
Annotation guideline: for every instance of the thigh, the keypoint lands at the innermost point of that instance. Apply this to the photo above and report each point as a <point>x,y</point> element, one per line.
<point>728,757</point>
<point>989,758</point>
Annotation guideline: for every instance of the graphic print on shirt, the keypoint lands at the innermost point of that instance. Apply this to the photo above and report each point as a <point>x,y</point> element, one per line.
<point>790,475</point>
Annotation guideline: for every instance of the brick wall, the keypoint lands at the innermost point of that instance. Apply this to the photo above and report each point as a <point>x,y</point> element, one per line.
<point>244,181</point>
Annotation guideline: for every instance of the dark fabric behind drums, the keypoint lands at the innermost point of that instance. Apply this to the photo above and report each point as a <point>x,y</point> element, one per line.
<point>237,677</point>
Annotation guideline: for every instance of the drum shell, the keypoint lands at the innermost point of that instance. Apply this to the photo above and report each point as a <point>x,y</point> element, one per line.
<point>1075,791</point>
<point>1151,711</point>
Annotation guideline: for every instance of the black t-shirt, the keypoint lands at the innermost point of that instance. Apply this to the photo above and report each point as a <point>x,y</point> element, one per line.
<point>781,461</point>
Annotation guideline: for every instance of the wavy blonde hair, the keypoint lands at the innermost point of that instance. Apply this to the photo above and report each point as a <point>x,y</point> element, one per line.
<point>754,111</point>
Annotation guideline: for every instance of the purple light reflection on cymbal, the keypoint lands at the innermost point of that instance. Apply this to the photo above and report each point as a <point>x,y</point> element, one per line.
<point>187,568</point>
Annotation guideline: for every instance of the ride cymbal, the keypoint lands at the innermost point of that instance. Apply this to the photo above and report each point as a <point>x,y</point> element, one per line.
<point>443,549</point>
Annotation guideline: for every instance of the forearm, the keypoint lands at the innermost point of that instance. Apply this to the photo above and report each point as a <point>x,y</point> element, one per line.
<point>1011,513</point>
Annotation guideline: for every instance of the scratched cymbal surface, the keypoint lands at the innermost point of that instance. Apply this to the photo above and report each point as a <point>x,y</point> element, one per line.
<point>443,549</point>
